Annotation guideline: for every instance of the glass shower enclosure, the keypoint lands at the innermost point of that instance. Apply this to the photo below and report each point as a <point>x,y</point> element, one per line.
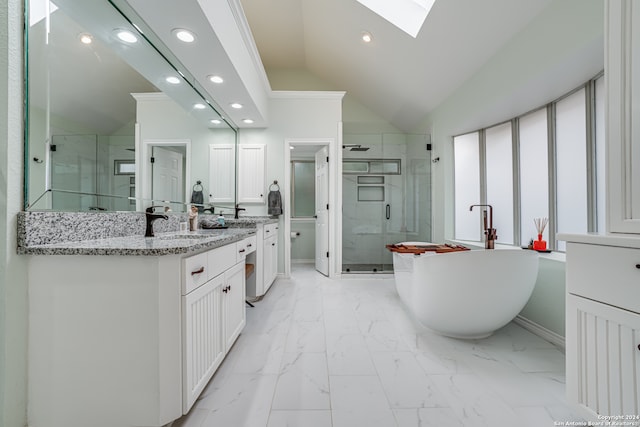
<point>386,191</point>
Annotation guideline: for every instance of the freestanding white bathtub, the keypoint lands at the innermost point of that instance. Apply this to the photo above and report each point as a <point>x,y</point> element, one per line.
<point>466,294</point>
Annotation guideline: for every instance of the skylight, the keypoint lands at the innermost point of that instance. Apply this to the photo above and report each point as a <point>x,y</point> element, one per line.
<point>408,15</point>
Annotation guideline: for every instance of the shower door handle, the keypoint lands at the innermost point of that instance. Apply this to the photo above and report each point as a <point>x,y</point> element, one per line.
<point>388,211</point>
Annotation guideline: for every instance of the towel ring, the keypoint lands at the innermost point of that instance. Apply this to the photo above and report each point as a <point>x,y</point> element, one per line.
<point>198,184</point>
<point>275,184</point>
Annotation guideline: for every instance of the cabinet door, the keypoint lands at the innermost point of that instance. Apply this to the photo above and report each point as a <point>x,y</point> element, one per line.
<point>222,173</point>
<point>234,310</point>
<point>203,347</point>
<point>251,168</point>
<point>603,358</point>
<point>622,74</point>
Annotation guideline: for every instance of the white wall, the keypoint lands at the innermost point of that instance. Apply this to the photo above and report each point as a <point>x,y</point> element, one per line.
<point>294,115</point>
<point>13,272</point>
<point>561,49</point>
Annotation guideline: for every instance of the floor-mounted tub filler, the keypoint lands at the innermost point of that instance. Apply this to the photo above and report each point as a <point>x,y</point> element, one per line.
<point>465,294</point>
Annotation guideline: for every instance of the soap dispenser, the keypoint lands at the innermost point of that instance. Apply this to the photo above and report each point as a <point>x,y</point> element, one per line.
<point>221,220</point>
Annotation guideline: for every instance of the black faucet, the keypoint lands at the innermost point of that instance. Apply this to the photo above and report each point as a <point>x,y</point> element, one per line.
<point>238,209</point>
<point>150,217</point>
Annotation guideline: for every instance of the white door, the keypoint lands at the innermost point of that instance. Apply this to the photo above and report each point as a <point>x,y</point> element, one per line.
<point>168,177</point>
<point>322,211</point>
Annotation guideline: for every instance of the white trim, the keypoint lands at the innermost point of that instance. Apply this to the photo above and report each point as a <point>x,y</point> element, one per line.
<point>150,96</point>
<point>249,42</point>
<point>335,211</point>
<point>300,94</point>
<point>303,261</point>
<point>143,181</point>
<point>541,331</point>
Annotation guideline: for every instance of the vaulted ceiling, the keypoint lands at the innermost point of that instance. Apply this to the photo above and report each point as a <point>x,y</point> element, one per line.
<point>396,76</point>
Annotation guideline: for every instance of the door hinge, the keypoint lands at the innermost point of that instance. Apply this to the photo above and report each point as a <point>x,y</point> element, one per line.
<point>327,254</point>
<point>153,159</point>
<point>428,147</point>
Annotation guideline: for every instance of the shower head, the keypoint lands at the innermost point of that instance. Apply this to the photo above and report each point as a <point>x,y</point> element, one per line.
<point>355,147</point>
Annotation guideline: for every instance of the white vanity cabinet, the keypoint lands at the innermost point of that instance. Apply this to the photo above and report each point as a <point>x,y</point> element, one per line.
<point>121,341</point>
<point>213,315</point>
<point>251,173</point>
<point>603,328</point>
<point>266,259</point>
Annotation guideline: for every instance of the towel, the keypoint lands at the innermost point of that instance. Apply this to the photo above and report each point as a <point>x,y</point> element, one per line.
<point>198,198</point>
<point>275,203</point>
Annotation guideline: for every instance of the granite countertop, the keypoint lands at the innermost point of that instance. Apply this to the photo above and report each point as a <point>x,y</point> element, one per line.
<point>171,243</point>
<point>244,221</point>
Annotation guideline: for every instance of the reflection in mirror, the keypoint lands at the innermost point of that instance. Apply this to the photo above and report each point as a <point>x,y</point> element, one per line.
<point>89,138</point>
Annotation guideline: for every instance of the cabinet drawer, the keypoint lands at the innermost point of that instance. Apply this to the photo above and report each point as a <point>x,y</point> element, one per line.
<point>195,272</point>
<point>245,247</point>
<point>221,259</point>
<point>605,273</point>
<point>270,230</point>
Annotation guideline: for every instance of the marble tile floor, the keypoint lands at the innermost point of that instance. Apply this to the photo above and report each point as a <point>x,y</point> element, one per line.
<point>344,353</point>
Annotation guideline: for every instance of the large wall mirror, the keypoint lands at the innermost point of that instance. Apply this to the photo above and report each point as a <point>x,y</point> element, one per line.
<point>113,123</point>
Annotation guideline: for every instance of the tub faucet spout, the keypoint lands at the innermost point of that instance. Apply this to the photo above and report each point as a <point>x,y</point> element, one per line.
<point>490,233</point>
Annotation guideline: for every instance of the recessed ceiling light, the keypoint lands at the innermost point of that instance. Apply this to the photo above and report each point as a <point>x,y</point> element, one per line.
<point>236,105</point>
<point>173,80</point>
<point>216,79</point>
<point>85,38</point>
<point>367,37</point>
<point>216,121</point>
<point>184,35</point>
<point>199,106</point>
<point>126,36</point>
<point>247,121</point>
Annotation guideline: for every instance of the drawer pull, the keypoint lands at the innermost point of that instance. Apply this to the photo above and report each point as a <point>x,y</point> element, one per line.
<point>241,250</point>
<point>638,266</point>
<point>249,245</point>
<point>198,271</point>
<point>267,231</point>
<point>638,346</point>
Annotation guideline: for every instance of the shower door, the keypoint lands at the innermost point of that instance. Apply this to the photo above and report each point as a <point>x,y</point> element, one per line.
<point>386,198</point>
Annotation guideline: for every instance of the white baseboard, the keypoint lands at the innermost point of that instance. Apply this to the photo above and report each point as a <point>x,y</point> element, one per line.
<point>541,331</point>
<point>302,261</point>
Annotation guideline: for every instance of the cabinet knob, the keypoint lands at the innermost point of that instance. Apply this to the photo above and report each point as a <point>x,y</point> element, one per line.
<point>249,245</point>
<point>198,271</point>
<point>273,244</point>
<point>638,266</point>
<point>638,346</point>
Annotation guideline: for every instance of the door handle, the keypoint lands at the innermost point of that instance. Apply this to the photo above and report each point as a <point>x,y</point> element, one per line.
<point>388,211</point>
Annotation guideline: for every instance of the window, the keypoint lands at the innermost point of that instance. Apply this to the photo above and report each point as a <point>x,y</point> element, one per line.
<point>303,188</point>
<point>467,182</point>
<point>545,164</point>
<point>534,173</point>
<point>571,165</point>
<point>499,172</point>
